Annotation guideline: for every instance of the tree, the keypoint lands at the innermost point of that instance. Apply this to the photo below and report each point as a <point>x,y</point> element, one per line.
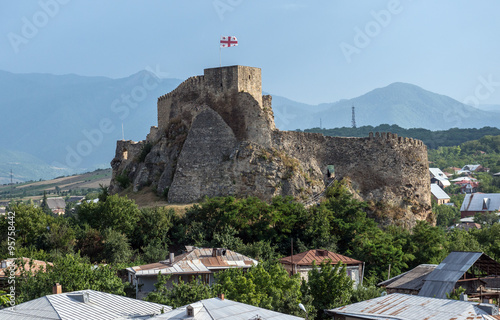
<point>427,244</point>
<point>329,286</point>
<point>90,242</point>
<point>44,205</point>
<point>153,226</point>
<point>73,273</point>
<point>32,224</point>
<point>116,247</point>
<point>265,285</point>
<point>486,218</point>
<point>368,290</point>
<point>348,215</point>
<point>181,293</point>
<point>118,213</point>
<point>461,240</point>
<point>446,215</point>
<point>379,250</point>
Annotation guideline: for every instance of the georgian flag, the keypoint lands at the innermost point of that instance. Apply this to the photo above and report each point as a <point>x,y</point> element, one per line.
<point>226,42</point>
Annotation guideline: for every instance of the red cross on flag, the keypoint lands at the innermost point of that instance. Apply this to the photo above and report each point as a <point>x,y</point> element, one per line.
<point>226,42</point>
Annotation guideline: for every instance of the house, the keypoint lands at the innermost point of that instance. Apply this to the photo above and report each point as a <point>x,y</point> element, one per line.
<point>57,205</point>
<point>84,304</point>
<point>479,202</point>
<point>467,186</point>
<point>439,177</point>
<point>223,309</point>
<point>2,211</point>
<point>471,168</point>
<point>461,269</point>
<point>439,195</point>
<point>409,282</point>
<point>467,226</point>
<point>196,262</point>
<point>496,174</point>
<point>19,265</point>
<point>302,263</point>
<point>398,306</point>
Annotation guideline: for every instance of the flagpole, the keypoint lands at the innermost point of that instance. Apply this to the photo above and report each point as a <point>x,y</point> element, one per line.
<point>220,60</point>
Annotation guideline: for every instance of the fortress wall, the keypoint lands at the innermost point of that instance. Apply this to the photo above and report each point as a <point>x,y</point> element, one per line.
<point>382,165</point>
<point>169,105</point>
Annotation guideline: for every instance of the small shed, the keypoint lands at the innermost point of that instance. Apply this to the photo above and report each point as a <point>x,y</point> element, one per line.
<point>461,269</point>
<point>409,282</point>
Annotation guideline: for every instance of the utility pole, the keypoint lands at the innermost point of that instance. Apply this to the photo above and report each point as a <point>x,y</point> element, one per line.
<point>353,117</point>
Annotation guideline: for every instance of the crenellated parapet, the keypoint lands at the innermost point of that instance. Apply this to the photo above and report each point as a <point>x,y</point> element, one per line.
<point>393,137</point>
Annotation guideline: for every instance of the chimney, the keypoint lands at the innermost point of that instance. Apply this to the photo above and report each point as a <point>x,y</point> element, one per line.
<point>57,289</point>
<point>85,296</point>
<point>172,256</point>
<point>221,296</point>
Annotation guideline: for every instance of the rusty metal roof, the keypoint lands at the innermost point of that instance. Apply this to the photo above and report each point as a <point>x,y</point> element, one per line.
<point>197,261</point>
<point>306,258</point>
<point>410,280</point>
<point>442,280</point>
<point>409,307</point>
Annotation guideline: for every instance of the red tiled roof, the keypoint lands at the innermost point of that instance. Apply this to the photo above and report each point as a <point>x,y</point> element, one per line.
<point>317,255</point>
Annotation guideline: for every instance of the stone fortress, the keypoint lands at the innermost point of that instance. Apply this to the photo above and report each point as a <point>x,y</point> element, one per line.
<point>216,137</point>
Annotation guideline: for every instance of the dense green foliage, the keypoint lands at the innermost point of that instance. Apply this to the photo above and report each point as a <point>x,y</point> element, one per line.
<point>485,151</point>
<point>115,231</point>
<point>432,139</point>
<point>73,273</point>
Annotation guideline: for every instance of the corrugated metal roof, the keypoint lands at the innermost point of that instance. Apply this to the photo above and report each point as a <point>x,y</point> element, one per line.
<point>471,167</point>
<point>56,203</point>
<point>409,307</point>
<point>306,258</point>
<point>438,192</point>
<point>217,309</point>
<point>199,260</point>
<point>442,280</point>
<point>70,305</point>
<point>410,280</point>
<point>437,173</point>
<point>475,202</point>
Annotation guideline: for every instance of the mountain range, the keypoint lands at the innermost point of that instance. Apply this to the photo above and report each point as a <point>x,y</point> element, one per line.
<point>63,124</point>
<point>404,104</point>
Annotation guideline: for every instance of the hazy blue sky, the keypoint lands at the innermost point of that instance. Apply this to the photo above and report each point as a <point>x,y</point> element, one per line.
<point>309,51</point>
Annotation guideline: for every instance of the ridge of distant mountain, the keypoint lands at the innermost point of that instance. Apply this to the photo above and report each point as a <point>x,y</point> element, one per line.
<point>406,105</point>
<point>490,107</point>
<point>66,124</point>
<point>73,122</point>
